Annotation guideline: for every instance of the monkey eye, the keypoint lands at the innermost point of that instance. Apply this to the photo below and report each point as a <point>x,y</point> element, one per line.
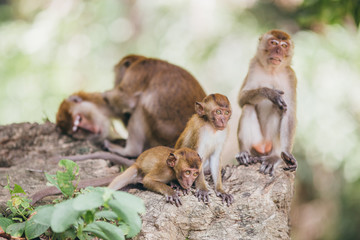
<point>284,45</point>
<point>227,112</point>
<point>196,174</point>
<point>187,173</point>
<point>274,42</point>
<point>218,112</point>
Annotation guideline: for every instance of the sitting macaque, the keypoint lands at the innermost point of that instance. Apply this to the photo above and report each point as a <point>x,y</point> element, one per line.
<point>268,100</point>
<point>206,133</point>
<point>154,168</point>
<point>161,165</point>
<point>164,96</point>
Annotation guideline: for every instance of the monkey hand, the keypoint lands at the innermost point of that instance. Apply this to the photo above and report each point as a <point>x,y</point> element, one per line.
<point>269,164</point>
<point>202,195</point>
<point>244,158</point>
<point>173,199</point>
<point>289,159</point>
<point>225,197</point>
<point>179,189</point>
<point>277,99</point>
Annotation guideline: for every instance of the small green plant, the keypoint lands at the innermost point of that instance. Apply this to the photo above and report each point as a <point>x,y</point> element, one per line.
<point>64,180</point>
<point>19,204</point>
<point>100,212</point>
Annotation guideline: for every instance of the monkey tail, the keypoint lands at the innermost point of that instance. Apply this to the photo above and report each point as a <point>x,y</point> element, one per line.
<point>49,191</point>
<point>129,176</point>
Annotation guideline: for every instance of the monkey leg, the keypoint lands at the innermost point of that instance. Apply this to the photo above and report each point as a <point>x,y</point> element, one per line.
<point>202,192</point>
<point>216,175</point>
<point>249,132</point>
<point>160,187</point>
<point>135,143</point>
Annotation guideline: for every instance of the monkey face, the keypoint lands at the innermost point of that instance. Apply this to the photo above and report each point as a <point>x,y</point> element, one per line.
<point>277,50</point>
<point>220,117</point>
<point>82,119</point>
<point>187,176</point>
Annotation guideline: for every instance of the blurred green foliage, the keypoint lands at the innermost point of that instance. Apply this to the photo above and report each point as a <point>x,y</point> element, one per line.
<point>50,49</point>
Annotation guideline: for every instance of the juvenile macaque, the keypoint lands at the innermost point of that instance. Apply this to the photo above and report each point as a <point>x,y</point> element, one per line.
<point>164,96</point>
<point>154,168</point>
<point>268,100</point>
<point>161,165</point>
<point>85,115</point>
<point>206,133</point>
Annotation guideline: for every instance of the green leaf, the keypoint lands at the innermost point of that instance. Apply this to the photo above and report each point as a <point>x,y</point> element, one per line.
<point>64,216</point>
<point>18,189</point>
<point>52,179</point>
<point>107,214</point>
<point>88,201</point>
<point>89,217</point>
<point>65,178</point>
<point>16,229</point>
<point>128,215</point>
<point>105,231</point>
<point>34,229</point>
<point>5,222</point>
<point>130,201</point>
<point>43,215</point>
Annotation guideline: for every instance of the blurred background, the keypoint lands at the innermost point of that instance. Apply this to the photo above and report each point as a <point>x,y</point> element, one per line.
<point>50,49</point>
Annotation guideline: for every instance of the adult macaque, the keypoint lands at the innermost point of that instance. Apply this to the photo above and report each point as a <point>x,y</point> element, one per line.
<point>268,100</point>
<point>161,165</point>
<point>154,168</point>
<point>206,133</point>
<point>85,115</point>
<point>164,95</point>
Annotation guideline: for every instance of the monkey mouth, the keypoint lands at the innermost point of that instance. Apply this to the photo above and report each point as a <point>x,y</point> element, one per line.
<point>183,186</point>
<point>275,60</point>
<point>76,123</point>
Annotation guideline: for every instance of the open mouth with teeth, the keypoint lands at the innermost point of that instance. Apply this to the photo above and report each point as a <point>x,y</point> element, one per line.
<point>84,124</point>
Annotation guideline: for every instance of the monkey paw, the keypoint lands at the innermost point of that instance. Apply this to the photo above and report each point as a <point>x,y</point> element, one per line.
<point>268,165</point>
<point>179,189</point>
<point>225,197</point>
<point>279,101</point>
<point>202,195</point>
<point>173,199</point>
<point>289,159</point>
<point>244,158</point>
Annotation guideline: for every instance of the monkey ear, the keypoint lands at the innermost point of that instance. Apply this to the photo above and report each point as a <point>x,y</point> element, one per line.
<point>199,108</point>
<point>171,160</point>
<point>74,98</point>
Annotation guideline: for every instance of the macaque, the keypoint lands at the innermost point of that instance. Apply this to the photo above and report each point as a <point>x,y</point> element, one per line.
<point>268,101</point>
<point>206,133</point>
<point>85,116</point>
<point>161,165</point>
<point>164,96</point>
<point>154,168</point>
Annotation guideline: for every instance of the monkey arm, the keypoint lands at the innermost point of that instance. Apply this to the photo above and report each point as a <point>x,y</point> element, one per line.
<point>137,129</point>
<point>254,96</point>
<point>160,187</point>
